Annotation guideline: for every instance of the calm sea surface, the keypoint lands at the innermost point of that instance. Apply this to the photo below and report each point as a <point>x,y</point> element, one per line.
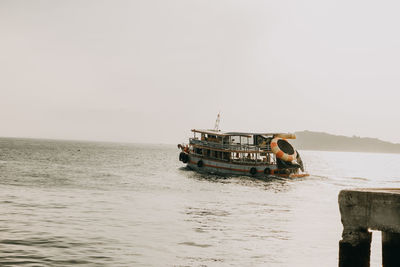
<point>102,204</point>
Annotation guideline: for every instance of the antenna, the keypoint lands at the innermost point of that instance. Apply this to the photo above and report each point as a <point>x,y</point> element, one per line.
<point>216,127</point>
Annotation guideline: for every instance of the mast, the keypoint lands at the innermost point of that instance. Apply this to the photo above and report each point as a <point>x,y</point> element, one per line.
<point>216,127</point>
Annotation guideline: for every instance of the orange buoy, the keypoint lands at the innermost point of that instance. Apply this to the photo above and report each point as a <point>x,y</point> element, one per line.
<point>283,149</point>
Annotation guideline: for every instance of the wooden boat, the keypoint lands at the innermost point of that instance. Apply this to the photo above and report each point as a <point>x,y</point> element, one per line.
<point>238,153</point>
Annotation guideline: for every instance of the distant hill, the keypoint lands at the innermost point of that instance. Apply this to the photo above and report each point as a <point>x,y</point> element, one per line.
<point>323,141</point>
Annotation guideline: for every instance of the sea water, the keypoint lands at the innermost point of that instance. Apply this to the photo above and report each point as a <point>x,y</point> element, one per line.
<point>107,204</point>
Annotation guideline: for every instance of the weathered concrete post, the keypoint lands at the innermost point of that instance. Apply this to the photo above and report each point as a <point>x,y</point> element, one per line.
<point>354,248</point>
<point>364,209</point>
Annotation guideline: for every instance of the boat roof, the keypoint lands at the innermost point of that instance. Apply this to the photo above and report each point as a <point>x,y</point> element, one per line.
<point>219,133</point>
<point>212,132</point>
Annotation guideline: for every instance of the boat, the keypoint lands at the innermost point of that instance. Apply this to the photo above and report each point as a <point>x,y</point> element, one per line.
<point>242,153</point>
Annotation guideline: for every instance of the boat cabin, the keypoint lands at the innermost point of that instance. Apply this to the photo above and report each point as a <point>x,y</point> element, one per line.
<point>235,147</point>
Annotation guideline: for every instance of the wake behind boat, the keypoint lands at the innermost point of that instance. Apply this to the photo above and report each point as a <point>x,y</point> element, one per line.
<point>239,153</point>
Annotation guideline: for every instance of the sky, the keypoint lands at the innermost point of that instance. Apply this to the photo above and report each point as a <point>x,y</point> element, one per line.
<point>149,71</point>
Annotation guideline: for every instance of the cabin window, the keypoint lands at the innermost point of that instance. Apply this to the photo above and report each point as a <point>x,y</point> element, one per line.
<point>235,139</point>
<point>250,140</point>
<point>213,138</point>
<point>227,155</point>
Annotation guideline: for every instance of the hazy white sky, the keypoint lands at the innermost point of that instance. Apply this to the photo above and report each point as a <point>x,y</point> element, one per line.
<point>149,71</point>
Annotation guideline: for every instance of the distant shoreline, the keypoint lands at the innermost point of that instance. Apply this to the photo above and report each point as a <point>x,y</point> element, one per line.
<point>308,140</point>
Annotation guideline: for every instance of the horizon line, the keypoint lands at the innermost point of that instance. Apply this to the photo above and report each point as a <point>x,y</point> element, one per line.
<point>162,143</point>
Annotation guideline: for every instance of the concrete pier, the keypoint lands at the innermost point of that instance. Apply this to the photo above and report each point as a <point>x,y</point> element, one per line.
<point>369,209</point>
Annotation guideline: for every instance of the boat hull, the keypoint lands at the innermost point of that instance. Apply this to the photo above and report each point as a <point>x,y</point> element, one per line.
<point>238,169</point>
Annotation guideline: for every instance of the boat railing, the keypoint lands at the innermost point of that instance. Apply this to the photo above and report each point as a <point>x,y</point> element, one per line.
<point>231,147</point>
